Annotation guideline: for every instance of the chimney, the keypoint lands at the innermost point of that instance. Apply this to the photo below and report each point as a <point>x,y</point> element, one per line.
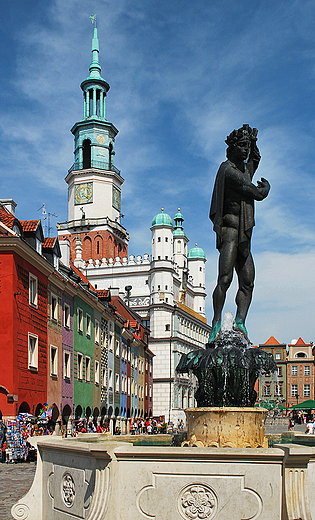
<point>65,252</point>
<point>9,204</point>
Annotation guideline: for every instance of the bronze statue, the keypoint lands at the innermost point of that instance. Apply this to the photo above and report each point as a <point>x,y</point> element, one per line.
<point>232,214</point>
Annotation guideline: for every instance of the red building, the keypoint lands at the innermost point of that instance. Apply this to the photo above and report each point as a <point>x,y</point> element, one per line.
<point>23,310</point>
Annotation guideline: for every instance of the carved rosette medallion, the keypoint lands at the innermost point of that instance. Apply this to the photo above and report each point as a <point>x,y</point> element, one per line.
<point>197,501</point>
<point>67,489</point>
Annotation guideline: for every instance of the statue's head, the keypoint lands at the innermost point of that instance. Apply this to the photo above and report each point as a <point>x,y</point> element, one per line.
<point>240,139</point>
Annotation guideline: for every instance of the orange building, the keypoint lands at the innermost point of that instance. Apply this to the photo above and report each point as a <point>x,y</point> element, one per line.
<point>300,372</point>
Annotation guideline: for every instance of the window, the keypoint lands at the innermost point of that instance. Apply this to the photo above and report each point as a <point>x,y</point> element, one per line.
<point>294,390</point>
<point>166,287</point>
<point>32,290</point>
<point>110,343</point>
<point>80,320</point>
<point>66,367</point>
<point>278,390</point>
<point>279,371</point>
<point>307,390</point>
<point>129,385</point>
<point>117,348</point>
<point>110,379</point>
<point>159,287</point>
<point>80,366</point>
<point>53,360</point>
<point>103,377</point>
<point>200,269</point>
<point>166,239</point>
<point>166,257</point>
<point>56,262</point>
<point>116,382</point>
<point>54,307</point>
<point>87,369</point>
<point>97,331</point>
<point>88,325</point>
<point>97,373</point>
<point>38,246</point>
<point>32,351</point>
<point>167,326</point>
<point>67,316</point>
<point>267,390</point>
<point>307,370</point>
<point>278,356</point>
<point>159,239</point>
<point>300,354</point>
<point>136,389</point>
<point>294,370</point>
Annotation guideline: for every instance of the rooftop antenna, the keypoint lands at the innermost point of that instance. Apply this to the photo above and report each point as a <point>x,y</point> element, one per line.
<point>44,213</point>
<point>49,227</point>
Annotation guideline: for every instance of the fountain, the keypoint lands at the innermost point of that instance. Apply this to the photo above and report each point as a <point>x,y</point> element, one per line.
<point>227,371</point>
<point>224,470</point>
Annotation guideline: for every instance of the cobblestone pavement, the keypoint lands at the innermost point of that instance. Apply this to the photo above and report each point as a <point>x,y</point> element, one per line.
<point>15,481</point>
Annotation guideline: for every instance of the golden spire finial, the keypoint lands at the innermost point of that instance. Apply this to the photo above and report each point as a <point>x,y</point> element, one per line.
<point>178,209</point>
<point>196,244</point>
<point>162,209</point>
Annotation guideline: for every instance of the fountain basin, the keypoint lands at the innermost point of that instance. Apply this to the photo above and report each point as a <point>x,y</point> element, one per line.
<point>114,480</point>
<point>230,427</point>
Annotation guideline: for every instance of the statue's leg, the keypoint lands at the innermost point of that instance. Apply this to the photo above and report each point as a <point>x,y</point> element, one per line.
<point>246,273</point>
<point>227,260</point>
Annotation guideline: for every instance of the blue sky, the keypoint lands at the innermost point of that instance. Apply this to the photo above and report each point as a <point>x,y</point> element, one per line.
<point>183,75</point>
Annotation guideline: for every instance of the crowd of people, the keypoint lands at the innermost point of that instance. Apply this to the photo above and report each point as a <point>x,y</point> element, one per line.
<point>301,418</point>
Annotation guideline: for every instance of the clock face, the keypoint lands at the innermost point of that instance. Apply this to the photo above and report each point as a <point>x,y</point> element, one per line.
<point>100,139</point>
<point>116,198</point>
<point>83,193</point>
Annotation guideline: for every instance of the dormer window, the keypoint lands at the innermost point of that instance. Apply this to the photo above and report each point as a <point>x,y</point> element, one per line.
<point>38,246</point>
<point>16,230</point>
<point>56,262</point>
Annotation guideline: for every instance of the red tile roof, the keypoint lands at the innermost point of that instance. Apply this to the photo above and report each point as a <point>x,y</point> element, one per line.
<point>49,242</point>
<point>102,293</point>
<point>29,225</point>
<point>83,278</point>
<point>300,341</point>
<point>6,217</point>
<point>272,341</point>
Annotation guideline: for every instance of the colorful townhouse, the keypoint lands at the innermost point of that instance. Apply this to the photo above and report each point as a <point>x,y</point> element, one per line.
<point>274,389</point>
<point>24,277</point>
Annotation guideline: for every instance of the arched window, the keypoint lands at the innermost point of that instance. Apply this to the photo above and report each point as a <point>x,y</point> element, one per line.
<point>110,153</point>
<point>98,246</point>
<point>87,248</point>
<point>86,154</point>
<point>300,355</point>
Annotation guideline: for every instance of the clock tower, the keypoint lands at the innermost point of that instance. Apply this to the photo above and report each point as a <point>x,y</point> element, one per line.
<point>94,182</point>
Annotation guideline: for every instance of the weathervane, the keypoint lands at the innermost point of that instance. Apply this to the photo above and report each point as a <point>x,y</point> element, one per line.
<point>93,19</point>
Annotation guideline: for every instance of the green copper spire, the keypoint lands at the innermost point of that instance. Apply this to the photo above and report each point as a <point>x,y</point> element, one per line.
<point>95,68</point>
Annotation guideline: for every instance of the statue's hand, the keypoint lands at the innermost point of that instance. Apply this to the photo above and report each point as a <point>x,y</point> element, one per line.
<point>263,186</point>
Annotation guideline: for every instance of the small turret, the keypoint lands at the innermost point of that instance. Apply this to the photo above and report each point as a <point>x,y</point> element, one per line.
<point>161,285</point>
<point>196,264</point>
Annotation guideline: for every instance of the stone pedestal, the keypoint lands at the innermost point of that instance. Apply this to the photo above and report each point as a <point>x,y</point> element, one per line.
<point>226,427</point>
<point>77,480</point>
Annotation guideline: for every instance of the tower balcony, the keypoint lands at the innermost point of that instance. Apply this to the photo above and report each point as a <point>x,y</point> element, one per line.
<point>101,165</point>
